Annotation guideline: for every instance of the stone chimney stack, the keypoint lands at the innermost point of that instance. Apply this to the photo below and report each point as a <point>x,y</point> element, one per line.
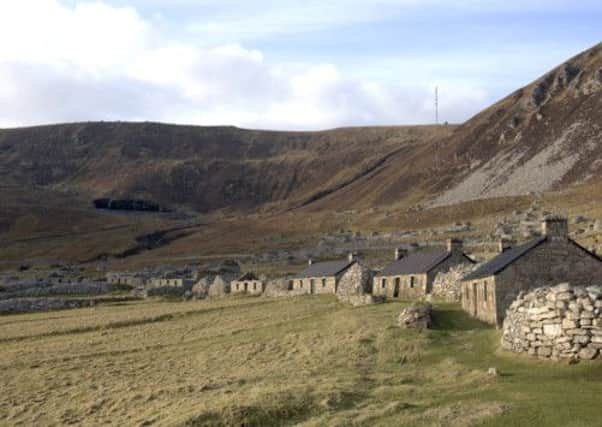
<point>310,261</point>
<point>503,245</point>
<point>454,245</point>
<point>351,257</point>
<point>400,253</point>
<point>555,228</point>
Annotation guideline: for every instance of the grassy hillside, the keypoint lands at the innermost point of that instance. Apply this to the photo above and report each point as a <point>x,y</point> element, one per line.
<point>255,361</point>
<point>204,168</point>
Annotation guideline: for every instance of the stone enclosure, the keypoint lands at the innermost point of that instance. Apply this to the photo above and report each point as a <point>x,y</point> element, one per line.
<point>560,322</point>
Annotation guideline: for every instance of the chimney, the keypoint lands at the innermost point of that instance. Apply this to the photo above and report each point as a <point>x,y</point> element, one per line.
<point>454,245</point>
<point>310,261</point>
<point>400,253</point>
<point>503,245</point>
<point>555,228</point>
<point>351,257</point>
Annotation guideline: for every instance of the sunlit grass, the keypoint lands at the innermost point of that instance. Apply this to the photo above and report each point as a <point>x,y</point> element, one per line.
<point>257,361</point>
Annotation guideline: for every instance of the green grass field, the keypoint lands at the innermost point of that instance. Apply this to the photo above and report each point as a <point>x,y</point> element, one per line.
<point>255,361</point>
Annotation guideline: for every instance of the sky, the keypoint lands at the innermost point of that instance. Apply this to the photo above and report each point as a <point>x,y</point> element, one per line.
<point>278,64</point>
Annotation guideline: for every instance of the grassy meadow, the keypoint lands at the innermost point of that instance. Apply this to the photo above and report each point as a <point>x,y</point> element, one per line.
<point>307,361</point>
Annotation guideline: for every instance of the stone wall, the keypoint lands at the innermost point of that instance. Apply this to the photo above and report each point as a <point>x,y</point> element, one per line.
<point>251,287</point>
<point>448,284</point>
<point>552,262</point>
<point>561,322</point>
<point>414,286</point>
<point>356,280</point>
<point>315,285</point>
<point>479,299</point>
<point>200,289</point>
<point>355,285</point>
<point>405,287</point>
<point>43,289</point>
<point>277,288</point>
<point>219,287</point>
<point>25,305</point>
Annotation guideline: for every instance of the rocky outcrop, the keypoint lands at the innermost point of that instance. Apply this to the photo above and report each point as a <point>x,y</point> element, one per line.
<point>560,322</point>
<point>447,286</point>
<point>416,316</point>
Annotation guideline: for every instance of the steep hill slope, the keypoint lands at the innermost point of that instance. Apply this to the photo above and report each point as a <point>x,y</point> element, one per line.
<point>545,136</point>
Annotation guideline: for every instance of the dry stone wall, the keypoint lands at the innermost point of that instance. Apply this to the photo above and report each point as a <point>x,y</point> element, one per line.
<point>560,322</point>
<point>25,305</point>
<point>354,286</point>
<point>448,285</point>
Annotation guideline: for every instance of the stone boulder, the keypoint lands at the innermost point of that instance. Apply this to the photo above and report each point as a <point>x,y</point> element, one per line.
<point>560,322</point>
<point>417,315</point>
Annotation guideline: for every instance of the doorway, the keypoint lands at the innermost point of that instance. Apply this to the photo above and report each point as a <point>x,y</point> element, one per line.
<point>396,289</point>
<point>474,299</point>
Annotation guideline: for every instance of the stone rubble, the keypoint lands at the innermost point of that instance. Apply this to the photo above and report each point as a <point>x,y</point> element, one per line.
<point>417,315</point>
<point>559,322</point>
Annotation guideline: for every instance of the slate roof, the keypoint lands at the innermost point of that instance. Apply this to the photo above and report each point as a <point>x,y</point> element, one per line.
<point>247,276</point>
<point>417,263</point>
<point>324,269</point>
<point>504,259</point>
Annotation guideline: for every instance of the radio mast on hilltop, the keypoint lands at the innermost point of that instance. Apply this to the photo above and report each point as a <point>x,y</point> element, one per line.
<point>437,105</point>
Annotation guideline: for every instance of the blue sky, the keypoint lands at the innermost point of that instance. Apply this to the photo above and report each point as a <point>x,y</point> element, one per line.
<point>277,64</point>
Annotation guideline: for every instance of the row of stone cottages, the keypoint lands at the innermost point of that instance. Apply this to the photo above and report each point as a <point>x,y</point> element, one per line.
<point>488,291</point>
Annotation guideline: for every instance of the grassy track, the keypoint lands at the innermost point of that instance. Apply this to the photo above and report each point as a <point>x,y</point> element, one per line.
<point>307,361</point>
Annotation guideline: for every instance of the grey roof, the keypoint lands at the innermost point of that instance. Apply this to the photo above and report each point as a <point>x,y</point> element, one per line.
<point>504,259</point>
<point>247,276</point>
<point>417,263</point>
<point>324,269</point>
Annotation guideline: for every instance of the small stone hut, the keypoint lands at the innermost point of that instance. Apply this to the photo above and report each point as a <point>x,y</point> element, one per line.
<point>248,283</point>
<point>552,258</point>
<point>411,276</point>
<point>322,277</point>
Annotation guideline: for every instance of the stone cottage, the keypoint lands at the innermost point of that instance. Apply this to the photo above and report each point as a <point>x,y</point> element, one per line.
<point>248,283</point>
<point>322,277</point>
<point>547,260</point>
<point>412,276</point>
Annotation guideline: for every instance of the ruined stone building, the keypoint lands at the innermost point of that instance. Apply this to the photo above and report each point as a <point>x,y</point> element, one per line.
<point>411,276</point>
<point>248,283</point>
<point>547,260</point>
<point>322,277</point>
<point>131,279</point>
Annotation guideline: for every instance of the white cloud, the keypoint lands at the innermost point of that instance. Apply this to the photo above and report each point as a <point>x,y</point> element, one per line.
<point>91,61</point>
